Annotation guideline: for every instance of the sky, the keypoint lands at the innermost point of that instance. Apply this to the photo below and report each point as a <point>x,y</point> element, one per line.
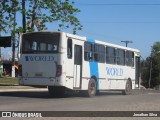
<point>114,21</point>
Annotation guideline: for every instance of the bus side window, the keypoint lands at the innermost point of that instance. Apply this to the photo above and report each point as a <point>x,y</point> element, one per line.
<point>69,48</point>
<point>132,59</point>
<point>99,53</point>
<point>129,58</point>
<point>88,51</point>
<point>120,57</point>
<point>110,55</point>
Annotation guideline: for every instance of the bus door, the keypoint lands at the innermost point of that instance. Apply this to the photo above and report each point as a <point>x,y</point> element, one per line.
<point>77,67</point>
<point>137,72</point>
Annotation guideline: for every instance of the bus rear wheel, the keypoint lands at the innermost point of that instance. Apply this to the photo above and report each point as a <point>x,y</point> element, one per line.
<point>56,91</point>
<point>128,88</point>
<point>92,88</point>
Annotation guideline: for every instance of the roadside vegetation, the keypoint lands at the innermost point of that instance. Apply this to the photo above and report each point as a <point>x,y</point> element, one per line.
<point>150,68</point>
<point>8,81</point>
<point>11,83</point>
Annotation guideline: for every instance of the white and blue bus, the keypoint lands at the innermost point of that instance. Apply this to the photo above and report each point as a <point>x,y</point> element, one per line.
<point>63,61</point>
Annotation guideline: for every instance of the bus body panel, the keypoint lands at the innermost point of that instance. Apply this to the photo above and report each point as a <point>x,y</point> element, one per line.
<point>117,76</point>
<point>40,69</point>
<point>43,65</point>
<point>74,72</point>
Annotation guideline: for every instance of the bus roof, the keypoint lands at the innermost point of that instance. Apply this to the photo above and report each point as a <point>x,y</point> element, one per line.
<point>83,38</point>
<point>102,42</point>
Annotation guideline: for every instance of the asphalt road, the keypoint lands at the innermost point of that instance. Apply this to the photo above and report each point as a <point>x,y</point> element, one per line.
<point>106,101</point>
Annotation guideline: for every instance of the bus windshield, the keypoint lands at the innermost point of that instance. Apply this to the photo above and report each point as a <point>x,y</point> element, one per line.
<point>37,43</point>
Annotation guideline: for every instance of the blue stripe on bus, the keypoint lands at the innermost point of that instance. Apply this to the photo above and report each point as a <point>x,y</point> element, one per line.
<point>94,66</point>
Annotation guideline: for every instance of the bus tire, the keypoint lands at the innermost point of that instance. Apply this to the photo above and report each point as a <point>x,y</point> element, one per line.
<point>56,91</point>
<point>128,88</point>
<point>92,88</point>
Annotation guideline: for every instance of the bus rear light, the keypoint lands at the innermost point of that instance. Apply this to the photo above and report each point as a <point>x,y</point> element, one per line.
<point>59,71</point>
<point>20,70</point>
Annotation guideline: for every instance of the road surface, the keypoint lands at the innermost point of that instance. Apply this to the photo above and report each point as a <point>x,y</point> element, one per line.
<point>106,101</point>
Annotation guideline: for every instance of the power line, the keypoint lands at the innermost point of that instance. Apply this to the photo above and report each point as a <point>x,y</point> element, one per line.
<point>103,22</point>
<point>88,4</point>
<point>103,36</point>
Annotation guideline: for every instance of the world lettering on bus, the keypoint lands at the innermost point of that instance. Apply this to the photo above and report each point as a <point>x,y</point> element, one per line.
<point>39,58</point>
<point>114,71</point>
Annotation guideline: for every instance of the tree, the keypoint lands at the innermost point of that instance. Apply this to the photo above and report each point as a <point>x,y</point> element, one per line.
<point>7,11</point>
<point>156,64</point>
<point>145,72</point>
<point>151,67</point>
<point>39,12</point>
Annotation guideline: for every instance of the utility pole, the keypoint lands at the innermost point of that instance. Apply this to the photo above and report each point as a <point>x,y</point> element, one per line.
<point>23,16</point>
<point>126,41</point>
<point>150,73</point>
<point>13,42</point>
<point>1,64</point>
<point>0,47</point>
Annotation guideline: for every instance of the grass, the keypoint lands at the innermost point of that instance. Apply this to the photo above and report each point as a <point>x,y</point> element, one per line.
<point>15,87</point>
<point>8,81</point>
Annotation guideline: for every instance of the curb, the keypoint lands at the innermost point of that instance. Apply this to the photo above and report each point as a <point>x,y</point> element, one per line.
<point>144,91</point>
<point>16,87</point>
<point>5,84</point>
<point>24,90</point>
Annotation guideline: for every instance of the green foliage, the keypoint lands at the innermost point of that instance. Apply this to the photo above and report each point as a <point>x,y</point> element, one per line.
<point>38,13</point>
<point>156,48</point>
<point>152,63</point>
<point>145,72</point>
<point>7,10</point>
